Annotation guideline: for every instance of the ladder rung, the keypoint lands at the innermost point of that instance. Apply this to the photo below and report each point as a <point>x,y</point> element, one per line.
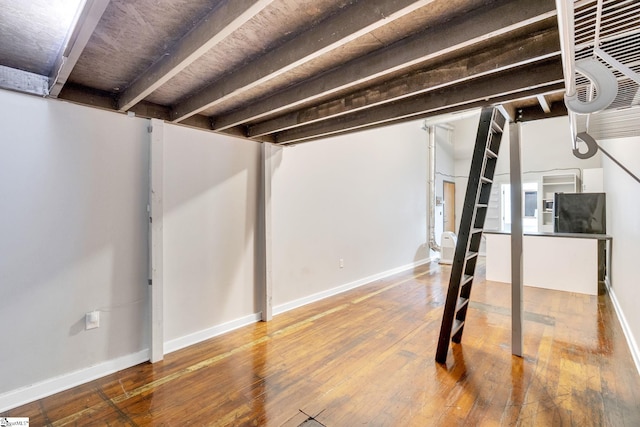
<point>481,205</point>
<point>491,154</point>
<point>466,278</point>
<point>457,325</point>
<point>470,255</point>
<point>476,230</point>
<point>495,126</point>
<point>486,180</point>
<point>461,303</point>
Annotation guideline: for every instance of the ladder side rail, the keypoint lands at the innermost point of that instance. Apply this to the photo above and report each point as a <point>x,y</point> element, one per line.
<point>466,222</point>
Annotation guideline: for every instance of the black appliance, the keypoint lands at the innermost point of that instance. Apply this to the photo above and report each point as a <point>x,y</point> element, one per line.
<point>579,213</point>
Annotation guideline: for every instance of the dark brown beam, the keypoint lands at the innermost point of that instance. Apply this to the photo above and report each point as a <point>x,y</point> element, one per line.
<point>352,22</point>
<point>488,61</point>
<point>107,101</point>
<point>497,101</point>
<point>494,86</point>
<point>88,96</point>
<point>468,30</point>
<point>527,114</point>
<point>211,30</point>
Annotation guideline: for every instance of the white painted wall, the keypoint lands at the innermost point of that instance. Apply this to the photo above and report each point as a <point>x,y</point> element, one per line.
<point>464,136</point>
<point>74,186</point>
<point>360,198</point>
<point>73,227</point>
<point>623,206</point>
<point>211,185</point>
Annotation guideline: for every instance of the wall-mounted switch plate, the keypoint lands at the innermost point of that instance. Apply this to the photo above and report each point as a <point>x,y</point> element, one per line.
<point>341,263</point>
<point>92,320</point>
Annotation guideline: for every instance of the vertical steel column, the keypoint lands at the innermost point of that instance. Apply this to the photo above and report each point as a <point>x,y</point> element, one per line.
<point>265,214</point>
<point>156,230</point>
<point>517,315</point>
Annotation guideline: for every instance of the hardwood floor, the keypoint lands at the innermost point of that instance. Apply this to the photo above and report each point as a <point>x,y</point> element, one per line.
<point>366,357</point>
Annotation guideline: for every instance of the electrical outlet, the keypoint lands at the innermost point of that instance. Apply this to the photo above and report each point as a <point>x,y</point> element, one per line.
<point>341,263</point>
<point>92,320</point>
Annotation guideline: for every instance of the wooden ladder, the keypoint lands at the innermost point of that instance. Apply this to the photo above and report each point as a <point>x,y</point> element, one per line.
<point>474,212</point>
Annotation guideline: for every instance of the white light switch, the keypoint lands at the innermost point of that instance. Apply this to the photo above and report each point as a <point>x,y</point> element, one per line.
<point>92,320</point>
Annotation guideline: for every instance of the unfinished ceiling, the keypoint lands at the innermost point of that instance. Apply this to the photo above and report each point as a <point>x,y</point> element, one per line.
<point>288,71</point>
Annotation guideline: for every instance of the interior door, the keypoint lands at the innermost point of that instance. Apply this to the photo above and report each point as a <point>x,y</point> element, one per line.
<point>449,196</point>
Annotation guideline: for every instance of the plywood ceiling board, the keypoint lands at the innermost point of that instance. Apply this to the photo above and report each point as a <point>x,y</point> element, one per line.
<point>508,84</point>
<point>483,62</point>
<point>131,36</point>
<point>276,24</point>
<point>359,47</point>
<point>436,13</point>
<point>466,31</point>
<point>339,29</point>
<point>32,33</point>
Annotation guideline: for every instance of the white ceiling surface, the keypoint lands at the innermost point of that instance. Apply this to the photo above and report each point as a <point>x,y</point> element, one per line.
<point>32,32</point>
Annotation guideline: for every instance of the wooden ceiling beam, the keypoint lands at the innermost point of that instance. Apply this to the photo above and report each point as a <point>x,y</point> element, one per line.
<point>212,29</point>
<point>527,114</point>
<point>502,85</point>
<point>487,61</point>
<point>470,29</point>
<point>499,102</point>
<point>544,104</point>
<point>339,29</point>
<point>75,43</point>
<point>107,101</point>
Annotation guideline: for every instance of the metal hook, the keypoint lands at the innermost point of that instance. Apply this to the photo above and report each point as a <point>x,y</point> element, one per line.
<point>604,81</point>
<point>592,146</point>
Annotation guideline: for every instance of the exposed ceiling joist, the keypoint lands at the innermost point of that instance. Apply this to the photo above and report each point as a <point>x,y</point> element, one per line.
<point>23,81</point>
<point>75,43</point>
<point>465,31</point>
<point>504,100</point>
<point>492,60</point>
<point>211,30</point>
<point>285,70</point>
<point>544,104</point>
<point>508,111</point>
<point>336,31</point>
<point>527,114</point>
<point>538,76</point>
<point>105,100</point>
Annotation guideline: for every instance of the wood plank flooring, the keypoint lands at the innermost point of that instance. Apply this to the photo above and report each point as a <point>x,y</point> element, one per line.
<point>366,357</point>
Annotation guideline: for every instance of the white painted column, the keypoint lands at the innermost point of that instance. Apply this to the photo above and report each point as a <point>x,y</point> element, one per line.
<point>156,239</point>
<point>267,178</point>
<point>517,315</point>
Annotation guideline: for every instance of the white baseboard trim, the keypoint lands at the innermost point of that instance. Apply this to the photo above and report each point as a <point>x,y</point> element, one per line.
<point>55,385</point>
<point>205,334</point>
<point>24,395</point>
<point>282,308</point>
<point>631,341</point>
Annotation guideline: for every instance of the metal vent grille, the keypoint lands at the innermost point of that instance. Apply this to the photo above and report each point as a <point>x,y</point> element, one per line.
<point>613,26</point>
<point>612,124</point>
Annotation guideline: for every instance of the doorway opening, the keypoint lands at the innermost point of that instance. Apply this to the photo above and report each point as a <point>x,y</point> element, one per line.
<point>449,201</point>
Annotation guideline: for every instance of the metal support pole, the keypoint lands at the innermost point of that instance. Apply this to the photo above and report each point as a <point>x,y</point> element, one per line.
<point>156,230</point>
<point>517,315</point>
<point>265,206</point>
